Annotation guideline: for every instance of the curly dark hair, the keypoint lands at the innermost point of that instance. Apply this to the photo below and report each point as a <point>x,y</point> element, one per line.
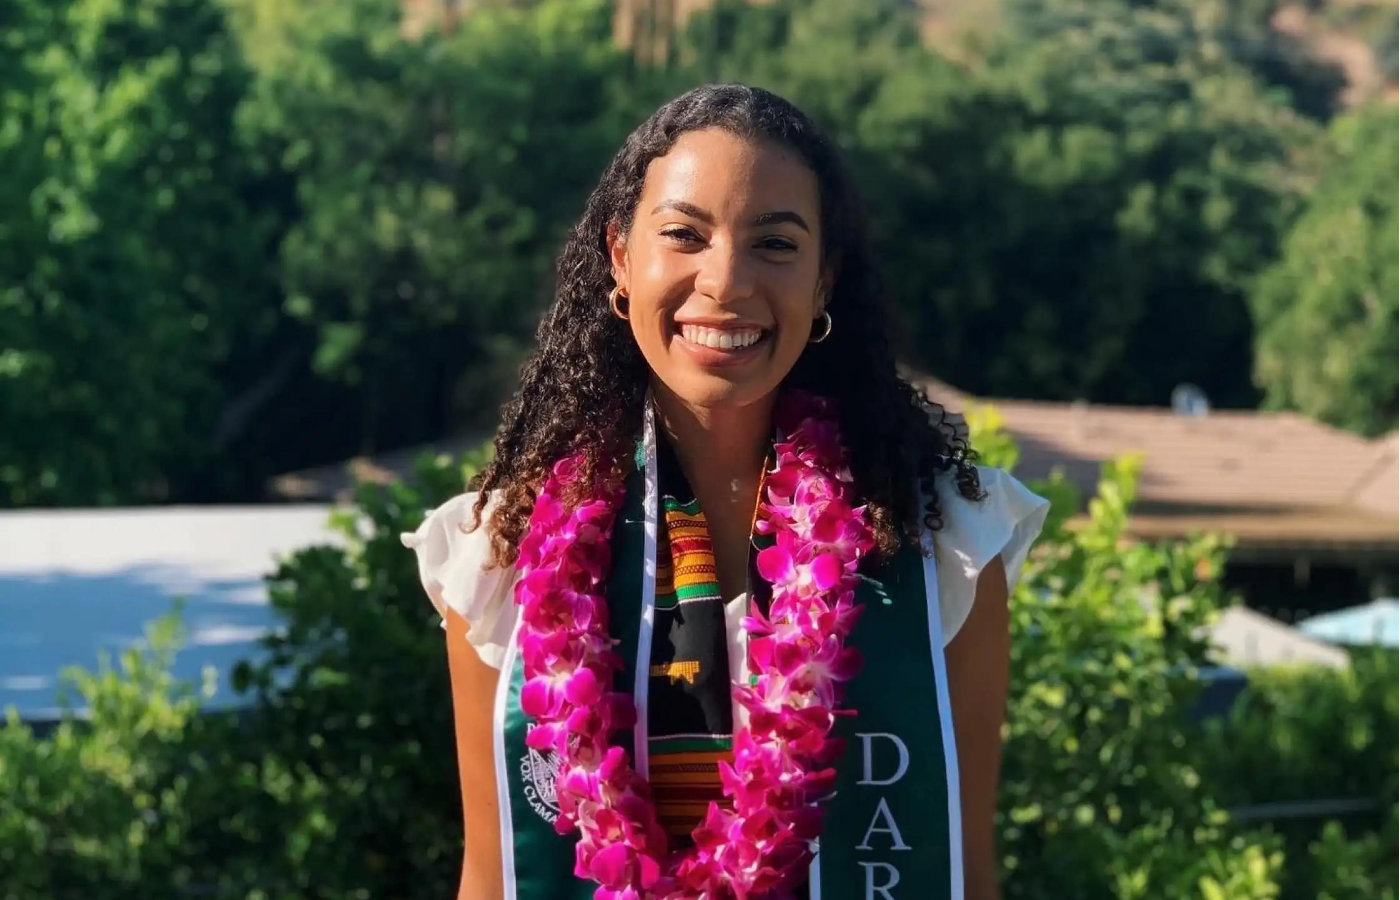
<point>584,387</point>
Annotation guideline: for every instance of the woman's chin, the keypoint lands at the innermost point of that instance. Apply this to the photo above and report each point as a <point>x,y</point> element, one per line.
<point>714,388</point>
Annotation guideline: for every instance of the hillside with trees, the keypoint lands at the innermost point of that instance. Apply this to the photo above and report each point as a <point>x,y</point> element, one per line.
<point>243,237</point>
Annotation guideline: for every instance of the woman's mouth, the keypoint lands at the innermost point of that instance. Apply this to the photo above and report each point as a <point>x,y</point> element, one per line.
<point>710,346</point>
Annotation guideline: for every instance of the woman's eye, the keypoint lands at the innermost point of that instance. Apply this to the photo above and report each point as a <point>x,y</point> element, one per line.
<point>776,244</point>
<point>681,235</point>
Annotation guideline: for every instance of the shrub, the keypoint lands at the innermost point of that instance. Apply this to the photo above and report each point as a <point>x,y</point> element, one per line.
<point>1300,734</point>
<point>337,781</point>
<point>346,755</point>
<point>97,808</point>
<point>1341,867</point>
<point>1101,797</point>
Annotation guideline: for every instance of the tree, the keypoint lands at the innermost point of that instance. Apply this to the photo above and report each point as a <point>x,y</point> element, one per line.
<point>1326,312</point>
<point>130,255</point>
<point>435,179</point>
<point>1071,209</point>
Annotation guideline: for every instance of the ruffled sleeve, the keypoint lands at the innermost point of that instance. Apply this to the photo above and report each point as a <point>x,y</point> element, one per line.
<point>455,569</point>
<point>1006,522</point>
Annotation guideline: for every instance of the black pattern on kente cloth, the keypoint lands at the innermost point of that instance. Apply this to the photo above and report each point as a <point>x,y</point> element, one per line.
<point>692,631</point>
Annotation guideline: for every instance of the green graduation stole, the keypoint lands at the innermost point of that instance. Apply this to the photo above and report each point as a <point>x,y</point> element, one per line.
<point>893,827</point>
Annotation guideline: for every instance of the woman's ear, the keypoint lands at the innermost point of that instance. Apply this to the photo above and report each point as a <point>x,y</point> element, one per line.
<point>617,255</point>
<point>825,284</point>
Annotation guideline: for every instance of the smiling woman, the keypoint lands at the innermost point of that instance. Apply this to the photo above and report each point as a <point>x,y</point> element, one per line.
<point>701,606</point>
<point>722,270</point>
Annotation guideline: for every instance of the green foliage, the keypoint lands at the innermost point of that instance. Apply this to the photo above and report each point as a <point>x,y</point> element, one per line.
<point>1102,796</point>
<point>131,259</point>
<point>1327,311</point>
<point>1342,867</point>
<point>337,780</point>
<point>1307,733</point>
<point>220,213</point>
<point>344,760</point>
<point>1074,208</point>
<point>435,179</point>
<point>96,809</point>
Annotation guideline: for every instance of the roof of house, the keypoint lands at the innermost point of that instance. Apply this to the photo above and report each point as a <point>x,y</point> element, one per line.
<point>1369,624</point>
<point>335,482</point>
<point>1243,638</point>
<point>1273,480</point>
<point>75,582</point>
<point>1269,478</point>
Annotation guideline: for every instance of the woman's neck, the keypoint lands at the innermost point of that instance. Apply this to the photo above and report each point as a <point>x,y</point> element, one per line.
<point>721,449</point>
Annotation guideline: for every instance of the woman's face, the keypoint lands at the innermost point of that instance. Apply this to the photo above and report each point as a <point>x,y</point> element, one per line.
<point>721,267</point>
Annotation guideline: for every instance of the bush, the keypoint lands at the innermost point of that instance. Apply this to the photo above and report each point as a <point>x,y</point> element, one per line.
<point>1340,867</point>
<point>345,760</point>
<point>337,781</point>
<point>1313,734</point>
<point>98,808</point>
<point>1103,773</point>
<point>1101,795</point>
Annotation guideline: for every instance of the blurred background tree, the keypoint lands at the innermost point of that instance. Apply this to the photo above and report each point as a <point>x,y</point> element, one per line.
<point>1073,209</point>
<point>133,250</point>
<point>220,215</point>
<point>1327,308</point>
<point>434,180</point>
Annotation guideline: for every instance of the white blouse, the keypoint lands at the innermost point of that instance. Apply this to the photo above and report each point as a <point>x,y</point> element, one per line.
<point>453,563</point>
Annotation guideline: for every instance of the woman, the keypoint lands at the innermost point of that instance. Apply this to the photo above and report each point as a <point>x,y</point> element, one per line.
<point>727,613</point>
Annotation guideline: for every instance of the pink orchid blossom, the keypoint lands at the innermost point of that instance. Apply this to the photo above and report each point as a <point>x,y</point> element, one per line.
<point>758,844</point>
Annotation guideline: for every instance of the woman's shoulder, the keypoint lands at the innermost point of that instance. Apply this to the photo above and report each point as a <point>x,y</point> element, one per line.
<point>1005,522</point>
<point>447,528</point>
<point>1003,498</point>
<point>454,566</point>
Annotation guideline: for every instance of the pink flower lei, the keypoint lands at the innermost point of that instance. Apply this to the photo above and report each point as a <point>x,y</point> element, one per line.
<point>782,758</point>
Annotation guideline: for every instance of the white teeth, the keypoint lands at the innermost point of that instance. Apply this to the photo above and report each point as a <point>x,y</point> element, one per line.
<point>718,339</point>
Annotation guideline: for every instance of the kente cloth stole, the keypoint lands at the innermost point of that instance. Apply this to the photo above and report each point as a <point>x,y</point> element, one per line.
<point>893,827</point>
<point>691,727</point>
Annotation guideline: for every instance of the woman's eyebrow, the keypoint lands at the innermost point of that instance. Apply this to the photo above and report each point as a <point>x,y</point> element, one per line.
<point>688,209</point>
<point>695,212</point>
<point>773,218</point>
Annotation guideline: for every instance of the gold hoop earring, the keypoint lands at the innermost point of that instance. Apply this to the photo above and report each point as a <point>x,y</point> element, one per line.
<point>613,297</point>
<point>826,333</point>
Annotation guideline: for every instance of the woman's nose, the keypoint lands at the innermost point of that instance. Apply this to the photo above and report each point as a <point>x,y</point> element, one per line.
<point>725,274</point>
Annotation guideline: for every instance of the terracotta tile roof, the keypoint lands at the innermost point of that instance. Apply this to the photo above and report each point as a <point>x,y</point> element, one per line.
<point>1378,488</point>
<point>1275,477</point>
<point>1329,533</point>
<point>1274,480</point>
<point>335,483</point>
